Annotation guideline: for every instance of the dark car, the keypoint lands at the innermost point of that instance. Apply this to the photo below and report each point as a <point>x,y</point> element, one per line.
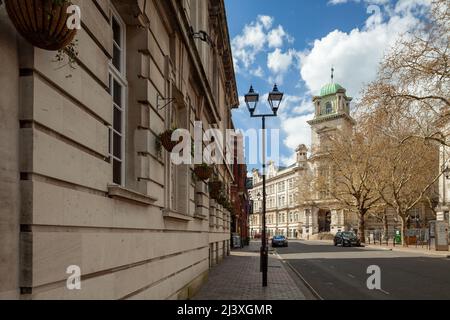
<point>279,241</point>
<point>347,239</point>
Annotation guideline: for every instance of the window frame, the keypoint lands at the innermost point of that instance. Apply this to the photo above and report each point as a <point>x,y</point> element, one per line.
<point>328,108</point>
<point>120,76</point>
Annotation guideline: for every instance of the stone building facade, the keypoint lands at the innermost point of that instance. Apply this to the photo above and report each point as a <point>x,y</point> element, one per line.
<point>283,209</point>
<point>443,212</point>
<point>82,182</point>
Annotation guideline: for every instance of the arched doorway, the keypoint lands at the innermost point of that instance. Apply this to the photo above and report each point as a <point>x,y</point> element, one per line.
<point>324,221</point>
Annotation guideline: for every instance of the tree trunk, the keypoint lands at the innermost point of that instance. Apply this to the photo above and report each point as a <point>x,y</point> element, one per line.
<point>404,229</point>
<point>362,227</point>
<point>386,228</point>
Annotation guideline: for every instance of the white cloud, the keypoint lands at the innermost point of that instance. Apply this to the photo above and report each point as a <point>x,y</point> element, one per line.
<point>294,113</point>
<point>409,6</point>
<point>277,36</point>
<point>279,62</point>
<point>258,37</point>
<point>258,72</point>
<point>266,21</point>
<point>249,43</point>
<point>297,130</point>
<point>355,55</point>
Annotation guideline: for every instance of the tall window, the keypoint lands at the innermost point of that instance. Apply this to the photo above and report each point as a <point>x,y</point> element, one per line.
<point>328,108</point>
<point>291,183</point>
<point>117,89</point>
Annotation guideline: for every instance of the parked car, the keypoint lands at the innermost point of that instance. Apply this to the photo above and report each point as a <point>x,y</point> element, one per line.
<point>279,241</point>
<point>347,239</point>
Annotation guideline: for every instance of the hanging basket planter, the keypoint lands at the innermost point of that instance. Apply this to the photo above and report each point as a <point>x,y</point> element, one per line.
<point>222,200</point>
<point>214,194</point>
<point>215,187</point>
<point>203,171</point>
<point>43,23</point>
<point>165,139</point>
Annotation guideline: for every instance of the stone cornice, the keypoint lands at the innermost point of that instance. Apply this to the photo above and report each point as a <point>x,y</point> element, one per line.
<point>332,117</point>
<point>118,192</point>
<point>291,171</point>
<point>227,58</point>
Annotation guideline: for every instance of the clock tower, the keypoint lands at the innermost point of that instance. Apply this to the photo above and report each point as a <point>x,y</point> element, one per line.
<point>332,115</point>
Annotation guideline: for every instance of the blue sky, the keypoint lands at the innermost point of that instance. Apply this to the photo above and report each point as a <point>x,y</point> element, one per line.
<point>296,42</point>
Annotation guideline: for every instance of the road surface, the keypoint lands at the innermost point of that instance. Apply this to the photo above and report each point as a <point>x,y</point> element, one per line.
<point>335,273</point>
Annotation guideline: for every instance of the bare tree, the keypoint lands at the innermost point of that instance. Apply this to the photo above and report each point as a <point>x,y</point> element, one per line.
<point>407,175</point>
<point>306,192</point>
<point>408,109</point>
<point>414,79</point>
<point>352,167</point>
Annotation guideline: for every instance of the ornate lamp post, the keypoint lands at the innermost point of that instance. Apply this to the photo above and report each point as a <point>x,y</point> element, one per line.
<point>252,99</point>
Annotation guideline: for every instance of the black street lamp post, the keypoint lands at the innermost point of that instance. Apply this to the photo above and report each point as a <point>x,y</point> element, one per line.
<point>252,99</point>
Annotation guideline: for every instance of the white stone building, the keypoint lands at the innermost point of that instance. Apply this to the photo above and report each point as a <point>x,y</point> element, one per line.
<point>282,201</point>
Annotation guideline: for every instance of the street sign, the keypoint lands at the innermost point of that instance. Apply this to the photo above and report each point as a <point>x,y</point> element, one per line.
<point>441,235</point>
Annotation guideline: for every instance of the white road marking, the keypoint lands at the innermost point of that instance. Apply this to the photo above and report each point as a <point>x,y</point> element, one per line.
<point>385,292</point>
<point>351,276</point>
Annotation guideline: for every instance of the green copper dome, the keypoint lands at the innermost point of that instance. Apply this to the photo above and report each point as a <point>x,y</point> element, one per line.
<point>331,88</point>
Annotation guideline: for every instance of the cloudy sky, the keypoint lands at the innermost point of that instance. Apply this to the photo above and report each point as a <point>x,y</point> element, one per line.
<point>296,42</point>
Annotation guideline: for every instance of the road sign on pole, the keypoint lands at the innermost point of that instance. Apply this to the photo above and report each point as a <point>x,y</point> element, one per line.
<point>441,235</point>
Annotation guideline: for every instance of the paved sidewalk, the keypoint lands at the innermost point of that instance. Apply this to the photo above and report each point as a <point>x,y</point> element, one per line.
<point>238,278</point>
<point>411,249</point>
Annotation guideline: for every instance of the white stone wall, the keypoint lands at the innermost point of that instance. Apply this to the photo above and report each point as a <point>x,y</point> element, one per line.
<point>9,161</point>
<point>275,225</point>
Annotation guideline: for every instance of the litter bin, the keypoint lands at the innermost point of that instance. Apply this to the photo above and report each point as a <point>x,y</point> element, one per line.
<point>236,241</point>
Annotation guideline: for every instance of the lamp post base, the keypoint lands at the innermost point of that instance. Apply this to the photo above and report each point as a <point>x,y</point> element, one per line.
<point>264,265</point>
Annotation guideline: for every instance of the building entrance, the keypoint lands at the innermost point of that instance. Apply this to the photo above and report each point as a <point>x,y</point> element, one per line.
<point>324,221</point>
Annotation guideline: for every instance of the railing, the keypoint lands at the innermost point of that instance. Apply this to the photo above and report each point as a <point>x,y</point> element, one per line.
<point>414,237</point>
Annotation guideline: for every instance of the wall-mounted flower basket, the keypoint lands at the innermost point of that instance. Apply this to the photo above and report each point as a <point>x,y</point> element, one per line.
<point>222,200</point>
<point>203,171</point>
<point>42,22</point>
<point>215,188</point>
<point>165,139</point>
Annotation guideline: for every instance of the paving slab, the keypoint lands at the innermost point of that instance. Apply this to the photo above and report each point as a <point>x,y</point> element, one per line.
<point>238,277</point>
